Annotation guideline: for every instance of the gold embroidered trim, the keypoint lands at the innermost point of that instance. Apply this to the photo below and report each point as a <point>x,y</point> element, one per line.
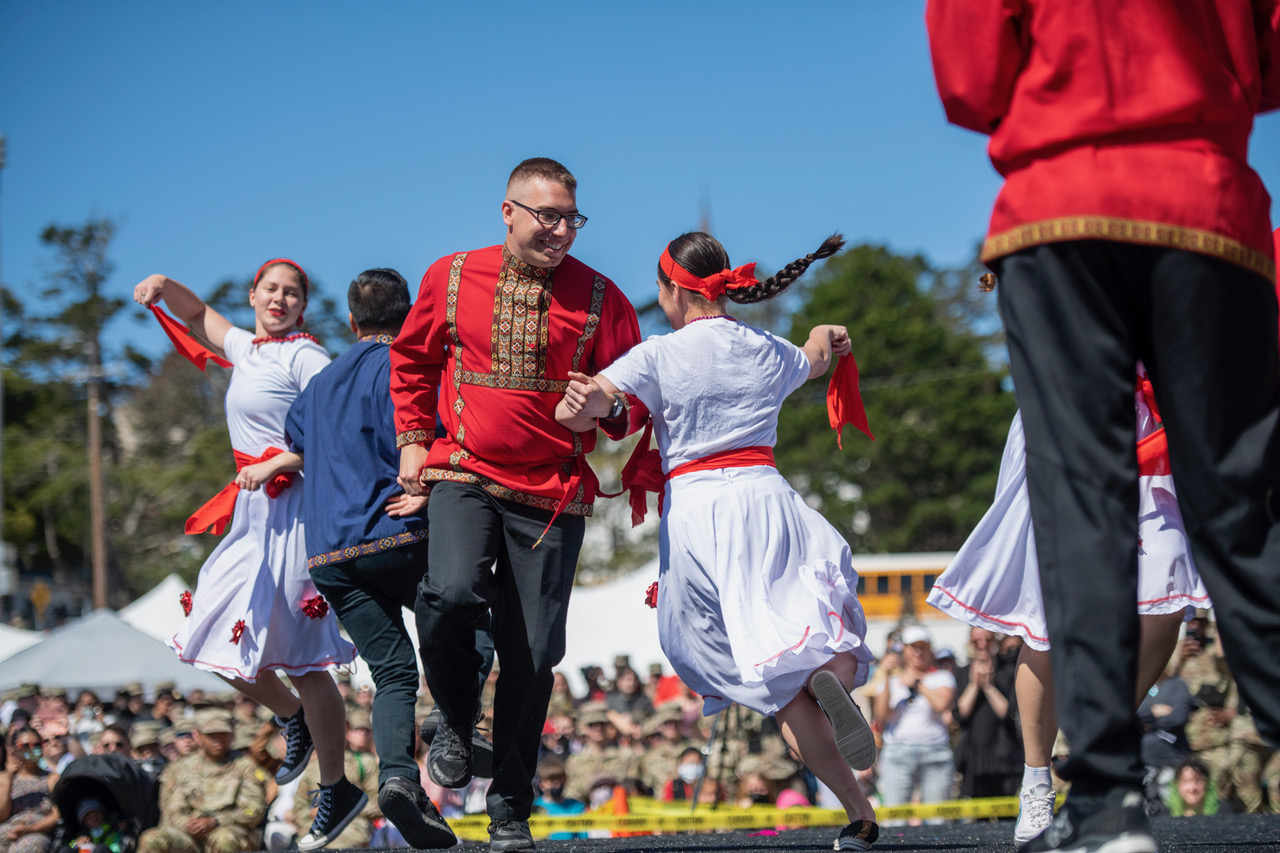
<point>593,322</point>
<point>365,549</point>
<point>521,324</point>
<point>451,318</point>
<point>518,383</point>
<point>521,268</point>
<point>575,507</point>
<point>1128,231</point>
<point>414,436</point>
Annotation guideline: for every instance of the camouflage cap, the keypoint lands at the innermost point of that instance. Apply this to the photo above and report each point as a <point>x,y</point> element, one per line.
<point>214,721</point>
<point>593,712</point>
<point>54,693</point>
<point>359,719</point>
<point>244,735</point>
<point>133,688</point>
<point>144,733</point>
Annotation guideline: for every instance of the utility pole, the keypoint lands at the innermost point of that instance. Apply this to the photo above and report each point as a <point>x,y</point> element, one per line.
<point>7,572</point>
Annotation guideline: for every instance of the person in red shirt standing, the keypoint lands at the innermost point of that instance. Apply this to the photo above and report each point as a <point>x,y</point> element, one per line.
<point>1131,226</point>
<point>493,337</point>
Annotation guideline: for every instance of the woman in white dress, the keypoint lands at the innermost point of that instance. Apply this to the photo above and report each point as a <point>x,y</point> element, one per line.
<point>994,583</point>
<point>255,610</point>
<point>756,595</point>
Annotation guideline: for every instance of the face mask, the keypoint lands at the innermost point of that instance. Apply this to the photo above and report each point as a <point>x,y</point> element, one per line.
<point>690,772</point>
<point>759,799</point>
<point>555,792</point>
<point>599,796</point>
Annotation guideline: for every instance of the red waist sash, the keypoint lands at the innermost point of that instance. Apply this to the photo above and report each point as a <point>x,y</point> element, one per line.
<point>218,510</point>
<point>739,457</point>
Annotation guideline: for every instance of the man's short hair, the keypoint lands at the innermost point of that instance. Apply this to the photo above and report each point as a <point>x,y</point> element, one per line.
<point>379,300</point>
<point>543,167</point>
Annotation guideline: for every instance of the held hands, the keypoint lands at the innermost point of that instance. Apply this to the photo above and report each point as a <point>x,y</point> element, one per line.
<point>585,396</point>
<point>149,290</point>
<point>199,827</point>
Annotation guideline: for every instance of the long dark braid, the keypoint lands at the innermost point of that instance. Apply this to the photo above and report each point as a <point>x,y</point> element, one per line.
<point>701,254</point>
<point>787,276</point>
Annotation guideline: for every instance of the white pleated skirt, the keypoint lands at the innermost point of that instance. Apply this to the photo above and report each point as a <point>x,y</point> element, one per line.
<point>756,589</point>
<point>258,574</point>
<point>994,580</point>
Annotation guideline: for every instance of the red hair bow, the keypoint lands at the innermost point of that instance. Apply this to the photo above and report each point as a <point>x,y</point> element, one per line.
<point>713,286</point>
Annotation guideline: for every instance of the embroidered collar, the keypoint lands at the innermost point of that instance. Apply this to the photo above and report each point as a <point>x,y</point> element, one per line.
<point>520,268</point>
<point>290,338</point>
<point>377,339</point>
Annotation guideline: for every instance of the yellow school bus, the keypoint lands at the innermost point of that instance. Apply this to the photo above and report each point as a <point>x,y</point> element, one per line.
<point>893,585</point>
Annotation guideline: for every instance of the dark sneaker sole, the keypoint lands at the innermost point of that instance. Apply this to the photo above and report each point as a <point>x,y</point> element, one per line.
<point>309,842</point>
<point>418,829</point>
<point>284,777</point>
<point>854,740</point>
<point>512,845</point>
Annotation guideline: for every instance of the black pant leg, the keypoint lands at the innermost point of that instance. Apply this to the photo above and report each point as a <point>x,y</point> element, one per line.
<point>1068,316</point>
<point>453,602</point>
<point>367,595</point>
<point>529,617</point>
<point>1215,366</point>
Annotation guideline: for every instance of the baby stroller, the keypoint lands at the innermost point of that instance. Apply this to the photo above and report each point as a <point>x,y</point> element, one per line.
<point>125,790</point>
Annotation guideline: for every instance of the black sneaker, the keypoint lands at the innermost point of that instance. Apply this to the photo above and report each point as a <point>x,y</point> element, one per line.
<point>859,835</point>
<point>481,749</point>
<point>297,747</point>
<point>407,806</point>
<point>1115,823</point>
<point>449,759</point>
<point>508,835</point>
<point>336,806</point>
<point>854,740</point>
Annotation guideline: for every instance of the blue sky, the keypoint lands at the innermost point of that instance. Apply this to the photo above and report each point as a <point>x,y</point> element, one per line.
<point>351,135</point>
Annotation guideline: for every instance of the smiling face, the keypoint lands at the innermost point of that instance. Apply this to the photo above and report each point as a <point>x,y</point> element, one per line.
<point>527,238</point>
<point>278,300</point>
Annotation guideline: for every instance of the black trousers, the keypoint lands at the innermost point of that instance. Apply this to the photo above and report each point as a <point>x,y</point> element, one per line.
<point>1078,315</point>
<point>367,595</point>
<point>482,559</point>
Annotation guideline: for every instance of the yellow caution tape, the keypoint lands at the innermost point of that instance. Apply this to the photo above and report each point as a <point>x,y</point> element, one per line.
<point>649,816</point>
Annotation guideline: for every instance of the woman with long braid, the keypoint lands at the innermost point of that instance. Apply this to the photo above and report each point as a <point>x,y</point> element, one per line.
<point>756,597</point>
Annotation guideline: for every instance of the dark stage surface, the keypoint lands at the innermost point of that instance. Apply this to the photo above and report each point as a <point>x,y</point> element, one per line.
<point>1227,834</point>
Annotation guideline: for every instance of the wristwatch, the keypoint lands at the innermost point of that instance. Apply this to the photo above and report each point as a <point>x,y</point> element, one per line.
<point>619,406</point>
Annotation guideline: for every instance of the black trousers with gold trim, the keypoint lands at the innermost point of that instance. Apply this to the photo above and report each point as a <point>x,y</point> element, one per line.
<point>1078,315</point>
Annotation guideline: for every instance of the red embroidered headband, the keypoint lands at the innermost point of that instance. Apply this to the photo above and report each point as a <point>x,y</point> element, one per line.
<point>306,283</point>
<point>713,286</point>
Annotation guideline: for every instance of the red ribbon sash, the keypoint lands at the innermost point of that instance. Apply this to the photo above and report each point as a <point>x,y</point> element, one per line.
<point>739,457</point>
<point>1153,455</point>
<point>218,510</point>
<point>844,400</point>
<point>187,346</point>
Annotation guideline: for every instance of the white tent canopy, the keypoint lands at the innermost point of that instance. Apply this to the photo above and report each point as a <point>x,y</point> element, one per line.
<point>158,613</point>
<point>101,652</point>
<point>14,640</point>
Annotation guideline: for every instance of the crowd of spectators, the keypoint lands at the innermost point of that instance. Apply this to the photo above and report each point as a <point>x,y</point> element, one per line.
<point>944,731</point>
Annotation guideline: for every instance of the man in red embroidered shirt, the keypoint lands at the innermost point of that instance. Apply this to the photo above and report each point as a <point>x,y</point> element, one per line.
<point>493,337</point>
<point>1131,226</point>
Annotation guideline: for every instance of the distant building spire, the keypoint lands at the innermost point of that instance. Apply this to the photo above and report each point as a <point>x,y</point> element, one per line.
<point>704,215</point>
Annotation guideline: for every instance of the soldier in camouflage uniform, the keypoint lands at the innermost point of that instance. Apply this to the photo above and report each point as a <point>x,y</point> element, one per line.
<point>1205,673</point>
<point>600,754</point>
<point>1253,763</point>
<point>209,801</point>
<point>664,743</point>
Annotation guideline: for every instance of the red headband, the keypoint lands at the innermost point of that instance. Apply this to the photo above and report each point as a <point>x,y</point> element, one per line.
<point>713,286</point>
<point>306,283</point>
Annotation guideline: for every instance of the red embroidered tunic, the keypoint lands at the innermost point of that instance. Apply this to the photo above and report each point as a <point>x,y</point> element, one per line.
<point>491,341</point>
<point>1118,121</point>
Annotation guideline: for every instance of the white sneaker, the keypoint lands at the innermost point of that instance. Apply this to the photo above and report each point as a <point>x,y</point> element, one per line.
<point>1035,813</point>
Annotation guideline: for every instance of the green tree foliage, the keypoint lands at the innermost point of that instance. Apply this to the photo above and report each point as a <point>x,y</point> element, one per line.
<point>934,401</point>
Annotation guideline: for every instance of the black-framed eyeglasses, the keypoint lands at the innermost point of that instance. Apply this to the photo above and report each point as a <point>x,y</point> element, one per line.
<point>551,218</point>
